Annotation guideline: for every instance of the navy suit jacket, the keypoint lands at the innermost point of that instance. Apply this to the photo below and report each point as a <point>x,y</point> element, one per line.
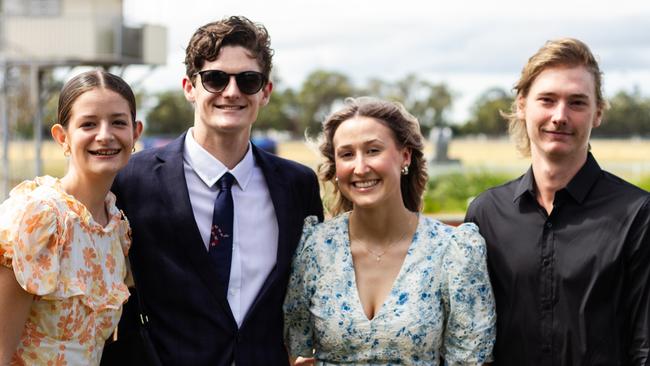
<point>190,322</point>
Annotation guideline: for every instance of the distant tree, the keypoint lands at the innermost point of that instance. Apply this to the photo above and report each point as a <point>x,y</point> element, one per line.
<point>319,93</point>
<point>428,102</point>
<point>281,113</point>
<point>172,114</point>
<point>485,116</point>
<point>629,115</point>
<point>432,108</point>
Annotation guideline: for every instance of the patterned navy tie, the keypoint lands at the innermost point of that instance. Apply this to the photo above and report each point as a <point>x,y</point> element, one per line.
<point>221,233</point>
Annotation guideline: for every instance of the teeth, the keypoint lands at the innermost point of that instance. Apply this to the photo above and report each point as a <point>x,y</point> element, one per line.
<point>105,152</point>
<point>230,107</point>
<point>366,184</point>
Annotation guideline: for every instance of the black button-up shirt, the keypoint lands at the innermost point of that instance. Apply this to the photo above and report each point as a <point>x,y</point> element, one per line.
<point>572,287</point>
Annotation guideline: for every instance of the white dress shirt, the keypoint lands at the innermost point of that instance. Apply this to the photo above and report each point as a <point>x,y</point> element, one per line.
<point>255,226</point>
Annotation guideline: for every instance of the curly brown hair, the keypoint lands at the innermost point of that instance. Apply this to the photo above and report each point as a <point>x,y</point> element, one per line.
<point>208,40</point>
<point>563,52</point>
<point>406,131</point>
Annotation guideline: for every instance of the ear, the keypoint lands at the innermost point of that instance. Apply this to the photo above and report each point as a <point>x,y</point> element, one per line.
<point>406,156</point>
<point>521,107</point>
<point>266,93</point>
<point>188,89</point>
<point>59,134</point>
<point>598,118</point>
<point>138,131</point>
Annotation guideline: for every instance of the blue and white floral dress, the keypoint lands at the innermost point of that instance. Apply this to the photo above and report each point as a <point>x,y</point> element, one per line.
<point>440,306</point>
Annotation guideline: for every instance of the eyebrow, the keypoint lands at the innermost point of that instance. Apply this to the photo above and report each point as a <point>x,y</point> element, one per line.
<point>112,115</point>
<point>368,142</point>
<point>552,94</point>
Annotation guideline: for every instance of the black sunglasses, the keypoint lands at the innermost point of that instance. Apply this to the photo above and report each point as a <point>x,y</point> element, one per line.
<point>248,82</point>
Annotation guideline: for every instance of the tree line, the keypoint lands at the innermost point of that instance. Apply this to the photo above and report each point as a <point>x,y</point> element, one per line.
<point>301,110</point>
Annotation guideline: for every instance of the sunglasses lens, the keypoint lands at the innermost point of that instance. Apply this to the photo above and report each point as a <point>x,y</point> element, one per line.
<point>250,82</point>
<point>214,81</point>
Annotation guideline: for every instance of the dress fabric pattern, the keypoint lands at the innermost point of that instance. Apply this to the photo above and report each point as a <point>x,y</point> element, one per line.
<point>75,268</point>
<point>440,306</point>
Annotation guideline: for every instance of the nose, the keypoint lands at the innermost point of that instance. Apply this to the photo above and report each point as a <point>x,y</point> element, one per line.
<point>360,165</point>
<point>560,114</point>
<point>232,89</point>
<point>105,133</point>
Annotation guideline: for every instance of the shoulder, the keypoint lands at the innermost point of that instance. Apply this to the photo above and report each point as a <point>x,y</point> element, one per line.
<point>623,188</point>
<point>495,196</point>
<point>40,195</point>
<point>457,241</point>
<point>435,228</point>
<point>323,235</point>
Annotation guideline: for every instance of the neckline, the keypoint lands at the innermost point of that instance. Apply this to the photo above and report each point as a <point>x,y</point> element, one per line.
<point>80,210</point>
<point>396,280</point>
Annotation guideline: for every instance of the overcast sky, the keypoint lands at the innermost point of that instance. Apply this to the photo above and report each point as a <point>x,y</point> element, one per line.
<point>470,45</point>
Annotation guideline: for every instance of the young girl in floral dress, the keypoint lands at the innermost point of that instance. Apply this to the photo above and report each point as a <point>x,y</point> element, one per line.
<point>63,242</point>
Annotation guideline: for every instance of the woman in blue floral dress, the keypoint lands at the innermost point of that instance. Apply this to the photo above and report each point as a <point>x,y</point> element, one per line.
<point>381,284</point>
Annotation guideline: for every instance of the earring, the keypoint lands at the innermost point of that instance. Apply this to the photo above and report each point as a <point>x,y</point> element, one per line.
<point>66,150</point>
<point>133,150</point>
<point>336,179</point>
<point>405,170</point>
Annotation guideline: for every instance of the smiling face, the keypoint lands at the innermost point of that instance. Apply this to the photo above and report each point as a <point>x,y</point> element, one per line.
<point>368,163</point>
<point>560,110</point>
<point>100,133</point>
<point>229,112</point>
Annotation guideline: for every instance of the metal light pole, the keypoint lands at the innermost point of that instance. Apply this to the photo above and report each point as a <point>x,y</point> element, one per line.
<point>4,110</point>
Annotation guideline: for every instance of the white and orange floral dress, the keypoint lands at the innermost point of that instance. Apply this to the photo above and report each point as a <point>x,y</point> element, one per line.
<point>75,268</point>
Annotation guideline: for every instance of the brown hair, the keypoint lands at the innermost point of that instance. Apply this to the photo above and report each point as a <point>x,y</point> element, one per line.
<point>563,52</point>
<point>87,81</point>
<point>406,131</point>
<point>208,40</point>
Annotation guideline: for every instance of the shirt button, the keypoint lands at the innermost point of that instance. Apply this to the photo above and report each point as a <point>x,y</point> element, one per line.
<point>546,262</point>
<point>549,225</point>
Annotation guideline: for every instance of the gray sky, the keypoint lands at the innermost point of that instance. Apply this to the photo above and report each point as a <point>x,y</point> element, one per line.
<point>470,45</point>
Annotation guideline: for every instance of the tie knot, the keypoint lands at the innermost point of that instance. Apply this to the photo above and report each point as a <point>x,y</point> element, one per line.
<point>225,182</point>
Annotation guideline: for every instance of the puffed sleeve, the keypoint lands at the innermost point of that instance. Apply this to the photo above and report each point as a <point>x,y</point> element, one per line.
<point>469,303</point>
<point>30,245</point>
<point>298,332</point>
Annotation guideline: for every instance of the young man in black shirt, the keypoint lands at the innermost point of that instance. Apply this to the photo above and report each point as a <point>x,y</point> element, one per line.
<point>568,243</point>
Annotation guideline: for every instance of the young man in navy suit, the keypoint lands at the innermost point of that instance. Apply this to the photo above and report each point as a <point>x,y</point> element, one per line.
<point>195,312</point>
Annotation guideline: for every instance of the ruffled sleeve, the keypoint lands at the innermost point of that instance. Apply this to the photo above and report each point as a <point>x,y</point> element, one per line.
<point>469,303</point>
<point>298,332</point>
<point>29,243</point>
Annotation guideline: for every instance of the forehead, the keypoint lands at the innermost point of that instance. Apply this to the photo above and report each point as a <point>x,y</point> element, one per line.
<point>233,59</point>
<point>564,81</point>
<point>359,130</point>
<point>99,100</point>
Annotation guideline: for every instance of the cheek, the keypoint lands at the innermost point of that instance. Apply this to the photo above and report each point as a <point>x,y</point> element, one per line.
<point>343,169</point>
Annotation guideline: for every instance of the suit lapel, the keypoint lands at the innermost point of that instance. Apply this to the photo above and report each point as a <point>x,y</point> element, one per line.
<point>171,176</point>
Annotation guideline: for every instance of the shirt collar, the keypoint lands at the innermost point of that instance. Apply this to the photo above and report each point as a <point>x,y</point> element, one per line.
<point>578,186</point>
<point>210,169</point>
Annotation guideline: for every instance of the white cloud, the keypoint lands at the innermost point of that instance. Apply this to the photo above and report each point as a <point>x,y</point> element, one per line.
<point>469,45</point>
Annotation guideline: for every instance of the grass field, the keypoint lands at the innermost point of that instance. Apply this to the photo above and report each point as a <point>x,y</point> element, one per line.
<point>629,159</point>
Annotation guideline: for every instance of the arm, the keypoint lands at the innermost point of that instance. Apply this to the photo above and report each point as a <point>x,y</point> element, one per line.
<point>14,311</point>
<point>471,316</point>
<point>315,204</point>
<point>637,289</point>
<point>298,330</point>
